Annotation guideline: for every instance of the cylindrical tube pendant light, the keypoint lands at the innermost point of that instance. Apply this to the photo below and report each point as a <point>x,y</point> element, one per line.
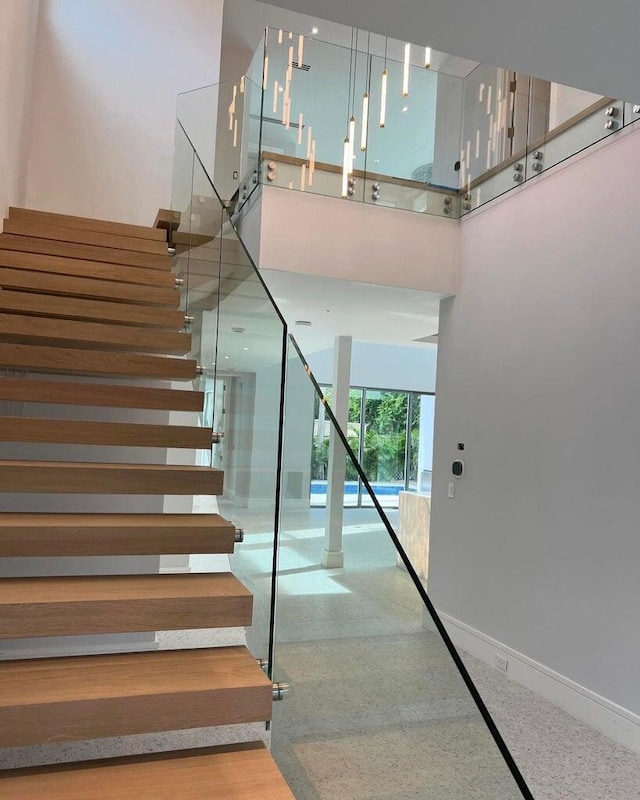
<point>275,96</point>
<point>405,70</point>
<point>352,141</point>
<point>383,99</point>
<point>427,57</point>
<point>365,121</point>
<point>345,168</point>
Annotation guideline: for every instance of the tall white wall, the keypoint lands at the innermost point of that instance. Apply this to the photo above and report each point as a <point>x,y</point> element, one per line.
<point>538,376</point>
<point>18,24</point>
<point>106,78</point>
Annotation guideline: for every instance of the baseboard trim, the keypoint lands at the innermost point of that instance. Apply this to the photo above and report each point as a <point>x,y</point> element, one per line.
<point>614,721</point>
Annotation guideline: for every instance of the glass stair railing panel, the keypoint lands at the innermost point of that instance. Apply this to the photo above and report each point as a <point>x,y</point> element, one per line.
<point>239,339</point>
<point>566,121</point>
<point>379,702</point>
<point>223,122</point>
<point>493,152</point>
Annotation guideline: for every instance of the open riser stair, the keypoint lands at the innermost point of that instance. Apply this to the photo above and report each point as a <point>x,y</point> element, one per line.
<point>90,319</point>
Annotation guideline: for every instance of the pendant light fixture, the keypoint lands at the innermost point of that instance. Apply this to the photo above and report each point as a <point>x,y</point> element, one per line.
<point>427,57</point>
<point>365,99</point>
<point>347,155</point>
<point>405,70</point>
<point>384,88</point>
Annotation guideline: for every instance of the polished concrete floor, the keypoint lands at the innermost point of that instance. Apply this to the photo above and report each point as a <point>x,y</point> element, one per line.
<point>377,710</point>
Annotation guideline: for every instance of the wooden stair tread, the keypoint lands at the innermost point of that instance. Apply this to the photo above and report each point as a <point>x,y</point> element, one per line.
<point>87,223</point>
<point>99,394</point>
<point>43,534</point>
<point>43,305</point>
<point>80,697</point>
<point>76,477</point>
<point>72,361</point>
<point>104,336</point>
<point>232,772</point>
<point>89,252</point>
<point>68,233</point>
<point>57,265</point>
<point>102,604</point>
<point>126,293</point>
<point>123,434</point>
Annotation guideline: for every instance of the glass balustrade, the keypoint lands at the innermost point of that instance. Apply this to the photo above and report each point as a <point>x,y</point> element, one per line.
<point>370,123</point>
<point>380,703</point>
<point>362,124</point>
<point>238,340</point>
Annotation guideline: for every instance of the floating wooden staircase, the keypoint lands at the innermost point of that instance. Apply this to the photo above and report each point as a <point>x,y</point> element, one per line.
<point>88,314</point>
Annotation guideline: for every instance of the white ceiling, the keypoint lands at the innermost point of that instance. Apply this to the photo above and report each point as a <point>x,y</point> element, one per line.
<point>364,311</point>
<point>589,44</point>
<point>245,21</point>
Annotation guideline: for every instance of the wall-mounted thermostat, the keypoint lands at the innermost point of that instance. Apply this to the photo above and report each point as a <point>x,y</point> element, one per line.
<point>457,468</point>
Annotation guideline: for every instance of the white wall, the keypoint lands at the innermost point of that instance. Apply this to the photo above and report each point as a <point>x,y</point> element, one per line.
<point>538,376</point>
<point>385,246</point>
<point>106,78</point>
<point>18,24</point>
<point>381,366</point>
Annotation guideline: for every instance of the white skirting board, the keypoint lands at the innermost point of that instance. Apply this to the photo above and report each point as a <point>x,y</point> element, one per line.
<point>614,721</point>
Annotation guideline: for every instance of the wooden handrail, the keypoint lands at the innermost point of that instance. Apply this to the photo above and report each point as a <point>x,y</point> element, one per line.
<point>411,184</point>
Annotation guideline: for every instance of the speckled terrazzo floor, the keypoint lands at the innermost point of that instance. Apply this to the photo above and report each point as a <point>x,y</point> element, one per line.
<point>377,711</point>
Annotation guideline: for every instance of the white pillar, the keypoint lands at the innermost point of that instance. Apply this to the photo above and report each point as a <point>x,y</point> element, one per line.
<point>332,553</point>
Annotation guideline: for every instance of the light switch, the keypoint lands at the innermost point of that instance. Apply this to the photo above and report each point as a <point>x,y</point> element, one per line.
<point>452,489</point>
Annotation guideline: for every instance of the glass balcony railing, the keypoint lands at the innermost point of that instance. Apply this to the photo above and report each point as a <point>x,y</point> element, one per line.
<point>370,123</point>
<point>375,679</point>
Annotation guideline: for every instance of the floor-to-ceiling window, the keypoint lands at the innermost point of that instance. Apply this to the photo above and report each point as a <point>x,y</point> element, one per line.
<point>391,433</point>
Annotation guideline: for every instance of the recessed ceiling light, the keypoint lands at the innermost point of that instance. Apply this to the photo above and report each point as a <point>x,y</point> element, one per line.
<point>405,108</point>
<point>328,311</point>
<point>226,356</point>
<point>245,348</point>
<point>314,30</point>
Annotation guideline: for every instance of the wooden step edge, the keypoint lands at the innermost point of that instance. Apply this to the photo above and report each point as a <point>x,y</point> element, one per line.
<point>62,233</point>
<point>47,535</point>
<point>72,361</point>
<point>87,252</point>
<point>88,223</point>
<point>82,268</point>
<point>75,477</point>
<point>240,771</point>
<point>90,697</point>
<point>55,332</point>
<point>74,308</point>
<point>106,604</point>
<point>113,434</point>
<point>147,296</point>
<point>99,394</point>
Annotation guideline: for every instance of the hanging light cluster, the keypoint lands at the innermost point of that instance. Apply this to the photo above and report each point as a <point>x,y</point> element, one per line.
<point>285,114</point>
<point>350,139</point>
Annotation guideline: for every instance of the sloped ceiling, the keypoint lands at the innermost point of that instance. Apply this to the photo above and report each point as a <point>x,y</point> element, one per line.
<point>589,44</point>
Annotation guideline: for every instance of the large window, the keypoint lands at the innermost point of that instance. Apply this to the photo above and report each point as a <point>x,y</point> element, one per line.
<point>391,433</point>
